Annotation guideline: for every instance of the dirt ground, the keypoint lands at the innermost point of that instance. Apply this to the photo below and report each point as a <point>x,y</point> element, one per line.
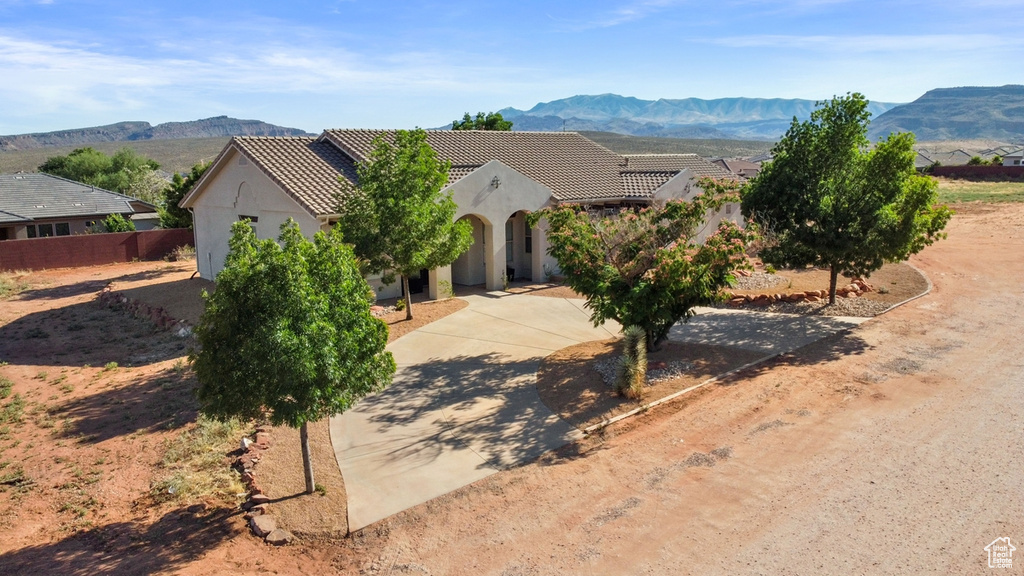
<point>571,387</point>
<point>893,449</point>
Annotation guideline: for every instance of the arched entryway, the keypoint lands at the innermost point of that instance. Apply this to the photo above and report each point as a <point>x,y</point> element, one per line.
<point>470,268</point>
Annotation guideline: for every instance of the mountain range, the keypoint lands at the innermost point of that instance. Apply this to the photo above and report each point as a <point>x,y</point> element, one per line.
<point>744,118</point>
<point>216,127</point>
<point>995,112</point>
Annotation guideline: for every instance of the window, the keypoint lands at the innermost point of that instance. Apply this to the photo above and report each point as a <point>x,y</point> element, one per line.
<point>63,229</point>
<point>528,240</point>
<point>31,229</point>
<point>45,230</point>
<point>251,219</point>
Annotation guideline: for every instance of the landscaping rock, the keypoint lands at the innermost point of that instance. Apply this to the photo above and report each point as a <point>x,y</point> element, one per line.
<point>262,525</point>
<point>258,499</point>
<point>280,537</point>
<point>246,443</point>
<point>263,438</point>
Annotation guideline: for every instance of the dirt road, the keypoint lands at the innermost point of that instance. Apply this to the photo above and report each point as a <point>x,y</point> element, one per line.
<point>895,449</point>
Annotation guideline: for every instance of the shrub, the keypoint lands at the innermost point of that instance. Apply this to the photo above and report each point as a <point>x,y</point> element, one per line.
<point>118,223</point>
<point>195,463</point>
<point>182,254</point>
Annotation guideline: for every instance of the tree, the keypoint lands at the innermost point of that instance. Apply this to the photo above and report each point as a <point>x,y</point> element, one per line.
<point>397,218</point>
<point>976,161</point>
<point>830,201</point>
<point>118,223</point>
<point>125,172</point>
<point>172,215</point>
<point>492,121</point>
<point>644,267</point>
<point>288,333</point>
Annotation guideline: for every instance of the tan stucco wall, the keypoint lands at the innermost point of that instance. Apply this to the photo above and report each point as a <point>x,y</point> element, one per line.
<point>684,186</point>
<point>493,206</point>
<point>240,190</point>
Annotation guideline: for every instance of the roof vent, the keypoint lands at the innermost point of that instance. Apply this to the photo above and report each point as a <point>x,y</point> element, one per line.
<point>243,161</point>
<point>40,205</point>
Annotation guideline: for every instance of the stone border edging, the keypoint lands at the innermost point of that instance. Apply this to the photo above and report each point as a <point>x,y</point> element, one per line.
<point>643,408</point>
<point>158,316</point>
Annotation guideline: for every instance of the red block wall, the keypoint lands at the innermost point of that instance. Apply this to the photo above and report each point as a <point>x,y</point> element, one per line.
<point>993,172</point>
<point>90,249</point>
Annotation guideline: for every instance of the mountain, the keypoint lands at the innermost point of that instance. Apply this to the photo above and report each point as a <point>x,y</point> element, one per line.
<point>747,118</point>
<point>217,127</point>
<point>994,112</point>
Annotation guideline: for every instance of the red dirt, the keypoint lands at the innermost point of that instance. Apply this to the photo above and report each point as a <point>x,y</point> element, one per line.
<point>894,449</point>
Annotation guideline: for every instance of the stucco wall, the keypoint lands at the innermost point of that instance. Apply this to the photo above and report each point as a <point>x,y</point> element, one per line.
<point>494,202</point>
<point>240,189</point>
<point>684,186</point>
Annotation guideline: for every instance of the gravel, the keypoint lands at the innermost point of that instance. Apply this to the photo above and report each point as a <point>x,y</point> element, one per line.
<point>673,369</point>
<point>759,281</point>
<point>858,307</point>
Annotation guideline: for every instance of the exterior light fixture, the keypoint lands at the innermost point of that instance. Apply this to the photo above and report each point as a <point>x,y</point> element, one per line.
<point>495,182</point>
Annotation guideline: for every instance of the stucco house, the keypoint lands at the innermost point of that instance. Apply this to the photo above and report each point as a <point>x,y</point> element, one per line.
<point>496,178</point>
<point>1015,158</point>
<point>41,205</point>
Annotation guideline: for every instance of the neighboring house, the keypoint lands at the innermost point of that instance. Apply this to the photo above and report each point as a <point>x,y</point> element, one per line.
<point>496,178</point>
<point>40,205</point>
<point>1015,158</point>
<point>921,161</point>
<point>744,168</point>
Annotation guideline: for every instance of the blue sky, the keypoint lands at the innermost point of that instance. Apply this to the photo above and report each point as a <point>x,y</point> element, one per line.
<point>381,64</point>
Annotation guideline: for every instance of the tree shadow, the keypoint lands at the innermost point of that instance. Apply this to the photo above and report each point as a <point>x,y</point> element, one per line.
<point>487,403</point>
<point>163,401</point>
<point>64,291</point>
<point>86,333</point>
<point>176,539</point>
<point>828,349</point>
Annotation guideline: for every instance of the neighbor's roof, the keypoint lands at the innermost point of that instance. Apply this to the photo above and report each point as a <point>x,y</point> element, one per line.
<point>28,197</point>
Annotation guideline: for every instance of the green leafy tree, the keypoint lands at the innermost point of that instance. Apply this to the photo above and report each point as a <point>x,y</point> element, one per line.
<point>645,267</point>
<point>288,333</point>
<point>397,218</point>
<point>827,200</point>
<point>976,161</point>
<point>118,223</point>
<point>172,215</point>
<point>490,121</point>
<point>125,172</point>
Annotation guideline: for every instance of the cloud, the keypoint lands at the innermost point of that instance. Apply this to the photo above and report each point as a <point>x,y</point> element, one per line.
<point>872,42</point>
<point>629,12</point>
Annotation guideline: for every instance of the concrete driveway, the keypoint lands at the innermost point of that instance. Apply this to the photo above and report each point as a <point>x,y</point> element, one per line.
<point>463,404</point>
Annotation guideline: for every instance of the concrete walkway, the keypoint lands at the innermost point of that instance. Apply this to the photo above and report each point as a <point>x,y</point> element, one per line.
<point>463,404</point>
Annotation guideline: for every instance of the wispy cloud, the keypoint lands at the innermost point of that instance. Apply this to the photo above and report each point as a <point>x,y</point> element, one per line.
<point>872,42</point>
<point>625,13</point>
<point>49,75</point>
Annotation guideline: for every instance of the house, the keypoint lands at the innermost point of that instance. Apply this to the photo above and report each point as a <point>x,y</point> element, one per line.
<point>1015,158</point>
<point>496,179</point>
<point>39,205</point>
<point>740,167</point>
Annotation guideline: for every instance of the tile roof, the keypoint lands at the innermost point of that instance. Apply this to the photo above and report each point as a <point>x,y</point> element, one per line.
<point>27,197</point>
<point>573,167</point>
<point>641,184</point>
<point>304,167</point>
<point>676,162</point>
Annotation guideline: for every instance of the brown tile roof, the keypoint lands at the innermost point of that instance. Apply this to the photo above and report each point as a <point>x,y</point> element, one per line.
<point>642,184</point>
<point>304,167</point>
<point>676,163</point>
<point>573,167</point>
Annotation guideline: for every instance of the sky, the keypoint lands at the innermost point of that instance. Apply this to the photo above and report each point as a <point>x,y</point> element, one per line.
<point>381,64</point>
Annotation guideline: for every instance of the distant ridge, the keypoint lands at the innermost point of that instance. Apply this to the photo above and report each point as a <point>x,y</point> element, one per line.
<point>970,112</point>
<point>744,118</point>
<point>216,127</point>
